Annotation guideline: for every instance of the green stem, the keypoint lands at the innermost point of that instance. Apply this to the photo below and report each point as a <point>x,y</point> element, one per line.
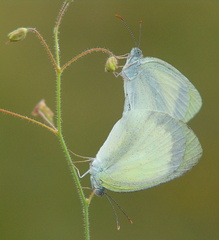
<point>58,99</point>
<point>85,203</point>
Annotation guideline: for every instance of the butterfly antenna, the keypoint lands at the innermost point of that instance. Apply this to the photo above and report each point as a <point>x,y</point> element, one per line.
<point>127,26</point>
<point>114,211</point>
<point>120,208</point>
<point>140,33</point>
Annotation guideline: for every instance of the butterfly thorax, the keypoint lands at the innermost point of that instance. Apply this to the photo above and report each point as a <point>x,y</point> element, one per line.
<point>130,70</point>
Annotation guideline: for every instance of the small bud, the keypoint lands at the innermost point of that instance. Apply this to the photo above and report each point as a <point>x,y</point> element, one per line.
<point>17,35</point>
<point>111,64</point>
<point>43,111</point>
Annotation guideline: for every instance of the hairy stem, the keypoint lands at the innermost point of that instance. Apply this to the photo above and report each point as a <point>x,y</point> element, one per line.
<point>61,14</point>
<point>85,203</point>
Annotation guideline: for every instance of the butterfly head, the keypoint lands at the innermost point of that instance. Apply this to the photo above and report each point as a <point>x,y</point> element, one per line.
<point>134,55</point>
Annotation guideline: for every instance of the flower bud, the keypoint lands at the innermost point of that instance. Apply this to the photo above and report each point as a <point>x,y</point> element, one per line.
<point>111,64</point>
<point>17,35</point>
<point>43,111</point>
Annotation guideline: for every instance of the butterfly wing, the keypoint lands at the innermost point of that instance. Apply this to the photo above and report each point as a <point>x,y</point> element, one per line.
<point>153,84</point>
<point>144,149</point>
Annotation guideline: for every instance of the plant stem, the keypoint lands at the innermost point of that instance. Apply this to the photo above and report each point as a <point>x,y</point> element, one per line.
<point>85,203</point>
<point>58,99</point>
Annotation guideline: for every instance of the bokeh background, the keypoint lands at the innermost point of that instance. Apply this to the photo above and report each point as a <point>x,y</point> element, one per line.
<point>38,199</point>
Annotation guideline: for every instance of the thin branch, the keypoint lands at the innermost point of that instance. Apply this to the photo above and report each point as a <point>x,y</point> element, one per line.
<point>61,14</point>
<point>85,53</point>
<point>46,47</point>
<point>30,120</point>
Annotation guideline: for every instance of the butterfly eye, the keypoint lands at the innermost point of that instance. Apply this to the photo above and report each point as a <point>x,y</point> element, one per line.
<point>138,52</point>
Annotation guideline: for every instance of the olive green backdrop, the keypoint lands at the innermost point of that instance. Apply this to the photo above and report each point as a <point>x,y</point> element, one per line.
<point>38,200</point>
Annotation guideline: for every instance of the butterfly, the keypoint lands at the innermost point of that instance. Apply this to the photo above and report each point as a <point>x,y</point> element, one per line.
<point>144,149</point>
<point>153,84</point>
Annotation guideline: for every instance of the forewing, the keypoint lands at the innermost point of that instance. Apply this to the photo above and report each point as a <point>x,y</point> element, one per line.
<point>145,149</point>
<point>156,85</point>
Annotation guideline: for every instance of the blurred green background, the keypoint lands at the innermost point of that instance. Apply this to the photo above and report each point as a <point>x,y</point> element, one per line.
<point>38,200</point>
